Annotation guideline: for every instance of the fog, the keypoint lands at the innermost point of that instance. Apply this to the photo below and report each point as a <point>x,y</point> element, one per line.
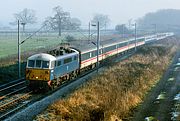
<point>119,11</point>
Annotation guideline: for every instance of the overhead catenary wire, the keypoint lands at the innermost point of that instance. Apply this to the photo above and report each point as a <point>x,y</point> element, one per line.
<point>33,34</point>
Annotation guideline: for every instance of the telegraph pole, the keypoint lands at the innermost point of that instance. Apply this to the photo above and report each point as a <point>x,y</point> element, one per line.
<point>19,56</point>
<point>123,27</point>
<point>98,43</point>
<point>89,31</point>
<point>155,28</point>
<point>21,42</point>
<point>135,31</point>
<point>59,25</point>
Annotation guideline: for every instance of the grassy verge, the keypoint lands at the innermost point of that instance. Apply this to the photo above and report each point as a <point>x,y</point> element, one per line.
<point>114,94</point>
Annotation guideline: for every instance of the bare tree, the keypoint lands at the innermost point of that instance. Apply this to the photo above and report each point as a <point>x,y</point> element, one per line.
<point>103,20</point>
<point>49,23</point>
<point>27,16</point>
<point>74,24</point>
<point>61,20</point>
<point>60,17</point>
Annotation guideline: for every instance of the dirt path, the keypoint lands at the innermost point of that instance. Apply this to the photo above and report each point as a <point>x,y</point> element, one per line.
<point>166,89</point>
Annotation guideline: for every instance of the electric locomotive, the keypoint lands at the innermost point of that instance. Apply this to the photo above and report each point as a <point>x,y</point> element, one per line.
<point>50,70</point>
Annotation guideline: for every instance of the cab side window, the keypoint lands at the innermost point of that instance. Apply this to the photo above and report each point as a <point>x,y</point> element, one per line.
<point>52,64</point>
<point>45,64</point>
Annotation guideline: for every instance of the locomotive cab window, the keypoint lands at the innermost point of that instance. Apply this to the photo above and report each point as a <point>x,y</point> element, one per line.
<point>45,64</point>
<point>38,63</point>
<point>31,63</point>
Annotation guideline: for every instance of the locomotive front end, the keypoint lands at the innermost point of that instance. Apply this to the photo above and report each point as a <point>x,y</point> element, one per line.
<point>38,70</point>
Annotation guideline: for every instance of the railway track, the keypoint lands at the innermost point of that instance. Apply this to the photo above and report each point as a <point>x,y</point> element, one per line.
<point>11,88</point>
<point>15,103</point>
<point>12,102</point>
<point>11,83</point>
<point>11,94</point>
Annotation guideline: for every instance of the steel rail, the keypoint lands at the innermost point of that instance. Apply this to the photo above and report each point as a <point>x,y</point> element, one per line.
<point>12,86</point>
<point>15,100</point>
<point>4,96</point>
<point>10,112</point>
<point>15,81</point>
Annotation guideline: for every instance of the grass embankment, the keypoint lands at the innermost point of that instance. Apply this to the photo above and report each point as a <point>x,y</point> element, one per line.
<point>115,93</point>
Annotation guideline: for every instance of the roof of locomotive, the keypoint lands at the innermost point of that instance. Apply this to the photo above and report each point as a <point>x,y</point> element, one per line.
<point>67,55</point>
<point>42,56</point>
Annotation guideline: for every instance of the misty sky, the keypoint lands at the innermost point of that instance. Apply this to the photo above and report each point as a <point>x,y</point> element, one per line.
<point>119,11</point>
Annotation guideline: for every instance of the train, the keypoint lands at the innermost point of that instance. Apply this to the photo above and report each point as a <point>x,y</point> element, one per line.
<point>51,69</point>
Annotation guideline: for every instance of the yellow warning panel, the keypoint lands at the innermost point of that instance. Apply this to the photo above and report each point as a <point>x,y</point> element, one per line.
<point>38,74</point>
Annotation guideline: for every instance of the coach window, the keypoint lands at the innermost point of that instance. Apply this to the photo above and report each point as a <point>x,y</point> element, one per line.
<point>45,64</point>
<point>38,63</point>
<point>90,54</point>
<point>94,53</point>
<point>101,51</point>
<point>31,63</point>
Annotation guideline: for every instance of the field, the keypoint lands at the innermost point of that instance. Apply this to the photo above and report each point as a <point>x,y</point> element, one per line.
<point>115,93</point>
<point>8,44</point>
<point>8,41</point>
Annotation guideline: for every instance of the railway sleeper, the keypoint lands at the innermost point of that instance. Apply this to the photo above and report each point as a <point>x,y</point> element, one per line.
<point>11,102</point>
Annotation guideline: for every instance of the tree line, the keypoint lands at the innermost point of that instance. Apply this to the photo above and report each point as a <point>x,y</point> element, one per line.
<point>161,20</point>
<point>61,20</point>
